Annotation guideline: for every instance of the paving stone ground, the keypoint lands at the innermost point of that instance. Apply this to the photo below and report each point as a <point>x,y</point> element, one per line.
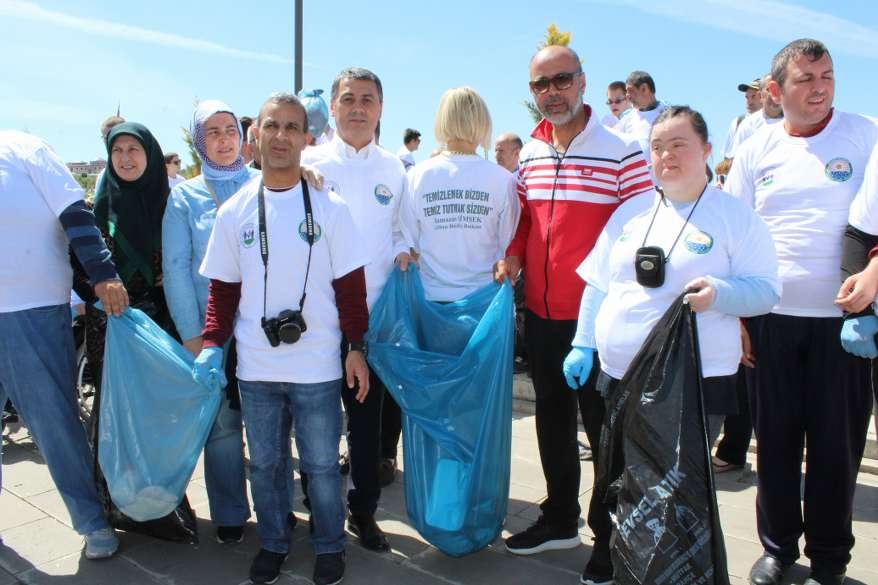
<point>39,547</point>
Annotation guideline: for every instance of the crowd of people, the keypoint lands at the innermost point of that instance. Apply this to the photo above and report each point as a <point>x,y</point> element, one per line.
<point>265,266</point>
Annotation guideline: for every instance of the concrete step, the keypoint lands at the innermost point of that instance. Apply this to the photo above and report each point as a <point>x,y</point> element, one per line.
<point>523,402</point>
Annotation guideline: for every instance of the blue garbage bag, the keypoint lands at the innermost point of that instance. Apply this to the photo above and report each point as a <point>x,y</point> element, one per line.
<point>154,418</point>
<point>449,367</point>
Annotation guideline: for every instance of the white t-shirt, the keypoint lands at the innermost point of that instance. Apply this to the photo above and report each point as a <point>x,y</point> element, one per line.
<point>460,213</point>
<point>723,239</point>
<point>730,135</point>
<point>174,181</point>
<point>406,156</point>
<point>371,182</point>
<point>233,255</point>
<point>864,209</point>
<point>35,187</point>
<point>638,124</point>
<point>803,189</point>
<point>750,126</point>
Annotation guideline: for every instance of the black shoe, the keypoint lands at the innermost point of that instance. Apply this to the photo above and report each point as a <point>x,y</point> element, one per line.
<point>329,568</point>
<point>229,534</point>
<point>598,570</point>
<point>266,566</point>
<point>825,578</point>
<point>370,534</point>
<point>344,463</point>
<point>541,536</point>
<point>767,570</point>
<point>387,471</point>
<point>292,521</point>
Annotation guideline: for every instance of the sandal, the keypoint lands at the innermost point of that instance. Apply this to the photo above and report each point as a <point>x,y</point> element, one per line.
<point>720,466</point>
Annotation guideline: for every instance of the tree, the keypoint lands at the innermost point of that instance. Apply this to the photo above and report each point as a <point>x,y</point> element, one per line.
<point>87,182</point>
<point>194,169</point>
<point>553,37</point>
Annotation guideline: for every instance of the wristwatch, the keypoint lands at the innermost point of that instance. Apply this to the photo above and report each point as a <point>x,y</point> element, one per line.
<point>360,346</point>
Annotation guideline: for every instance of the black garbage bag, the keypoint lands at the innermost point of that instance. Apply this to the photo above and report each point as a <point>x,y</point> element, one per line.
<point>667,529</point>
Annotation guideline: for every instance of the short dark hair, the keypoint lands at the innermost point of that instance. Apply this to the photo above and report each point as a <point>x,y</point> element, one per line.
<point>812,49</point>
<point>246,122</point>
<point>357,74</point>
<point>638,78</point>
<point>616,85</point>
<point>283,97</point>
<point>409,135</point>
<point>695,118</point>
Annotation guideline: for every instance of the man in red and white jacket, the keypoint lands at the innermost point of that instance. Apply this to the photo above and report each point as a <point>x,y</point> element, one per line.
<point>572,176</point>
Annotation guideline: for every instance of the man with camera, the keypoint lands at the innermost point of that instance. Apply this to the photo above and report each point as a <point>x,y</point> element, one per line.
<point>288,260</point>
<point>370,180</point>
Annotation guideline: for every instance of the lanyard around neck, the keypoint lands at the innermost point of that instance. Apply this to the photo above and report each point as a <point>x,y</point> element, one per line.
<point>688,217</point>
<point>263,241</point>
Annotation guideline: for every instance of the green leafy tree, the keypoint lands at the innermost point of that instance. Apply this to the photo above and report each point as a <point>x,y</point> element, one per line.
<point>87,182</point>
<point>194,169</point>
<point>553,37</point>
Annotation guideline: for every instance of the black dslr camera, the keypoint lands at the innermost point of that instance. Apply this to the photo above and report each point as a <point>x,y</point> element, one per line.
<point>287,327</point>
<point>649,266</point>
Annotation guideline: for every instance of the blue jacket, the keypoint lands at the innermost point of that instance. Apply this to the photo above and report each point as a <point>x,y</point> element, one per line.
<point>186,227</point>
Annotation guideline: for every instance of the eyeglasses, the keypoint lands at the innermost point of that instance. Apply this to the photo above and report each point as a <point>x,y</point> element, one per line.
<point>176,162</point>
<point>560,82</point>
<point>612,101</point>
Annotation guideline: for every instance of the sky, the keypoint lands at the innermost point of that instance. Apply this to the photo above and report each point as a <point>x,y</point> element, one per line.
<point>68,65</point>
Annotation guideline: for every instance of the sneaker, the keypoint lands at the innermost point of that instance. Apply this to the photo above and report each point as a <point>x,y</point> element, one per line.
<point>541,536</point>
<point>101,544</point>
<point>229,534</point>
<point>266,566</point>
<point>329,568</point>
<point>598,571</point>
<point>387,471</point>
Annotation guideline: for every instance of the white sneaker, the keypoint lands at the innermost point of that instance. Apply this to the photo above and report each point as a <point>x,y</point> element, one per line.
<point>101,544</point>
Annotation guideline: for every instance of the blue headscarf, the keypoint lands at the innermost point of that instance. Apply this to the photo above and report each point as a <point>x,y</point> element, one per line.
<point>210,169</point>
<point>315,107</point>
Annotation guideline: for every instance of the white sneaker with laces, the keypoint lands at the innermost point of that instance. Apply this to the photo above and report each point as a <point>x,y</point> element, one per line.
<point>101,544</point>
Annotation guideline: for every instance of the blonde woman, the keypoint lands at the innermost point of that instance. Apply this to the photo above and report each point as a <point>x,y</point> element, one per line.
<point>459,211</point>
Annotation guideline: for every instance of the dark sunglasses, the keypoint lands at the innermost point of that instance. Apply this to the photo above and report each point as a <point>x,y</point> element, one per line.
<point>560,82</point>
<point>176,162</point>
<point>615,101</point>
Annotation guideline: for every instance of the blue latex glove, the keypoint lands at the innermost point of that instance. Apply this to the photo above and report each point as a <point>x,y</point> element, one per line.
<point>578,364</point>
<point>858,336</point>
<point>208,369</point>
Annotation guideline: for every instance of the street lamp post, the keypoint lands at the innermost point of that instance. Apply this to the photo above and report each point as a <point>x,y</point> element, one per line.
<point>298,48</point>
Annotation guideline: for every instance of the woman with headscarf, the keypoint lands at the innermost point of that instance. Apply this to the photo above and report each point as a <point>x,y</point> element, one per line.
<point>128,210</point>
<point>188,221</point>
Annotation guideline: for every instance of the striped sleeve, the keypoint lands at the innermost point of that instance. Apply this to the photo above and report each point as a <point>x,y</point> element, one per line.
<point>634,177</point>
<point>85,239</point>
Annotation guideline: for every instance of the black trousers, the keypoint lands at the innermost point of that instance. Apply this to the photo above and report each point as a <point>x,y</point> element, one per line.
<point>557,408</point>
<point>737,428</point>
<point>391,427</point>
<point>806,390</point>
<point>364,444</point>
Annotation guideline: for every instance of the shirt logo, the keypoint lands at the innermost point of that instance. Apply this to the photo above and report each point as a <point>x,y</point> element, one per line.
<point>839,170</point>
<point>248,235</point>
<point>765,181</point>
<point>383,194</point>
<point>699,242</point>
<point>303,231</point>
<point>586,172</point>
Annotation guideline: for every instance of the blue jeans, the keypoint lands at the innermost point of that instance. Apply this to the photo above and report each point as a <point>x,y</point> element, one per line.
<point>269,409</point>
<point>37,374</point>
<point>224,469</point>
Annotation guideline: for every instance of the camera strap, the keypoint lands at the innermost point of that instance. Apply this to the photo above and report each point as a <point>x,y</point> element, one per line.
<point>263,241</point>
<point>655,213</point>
